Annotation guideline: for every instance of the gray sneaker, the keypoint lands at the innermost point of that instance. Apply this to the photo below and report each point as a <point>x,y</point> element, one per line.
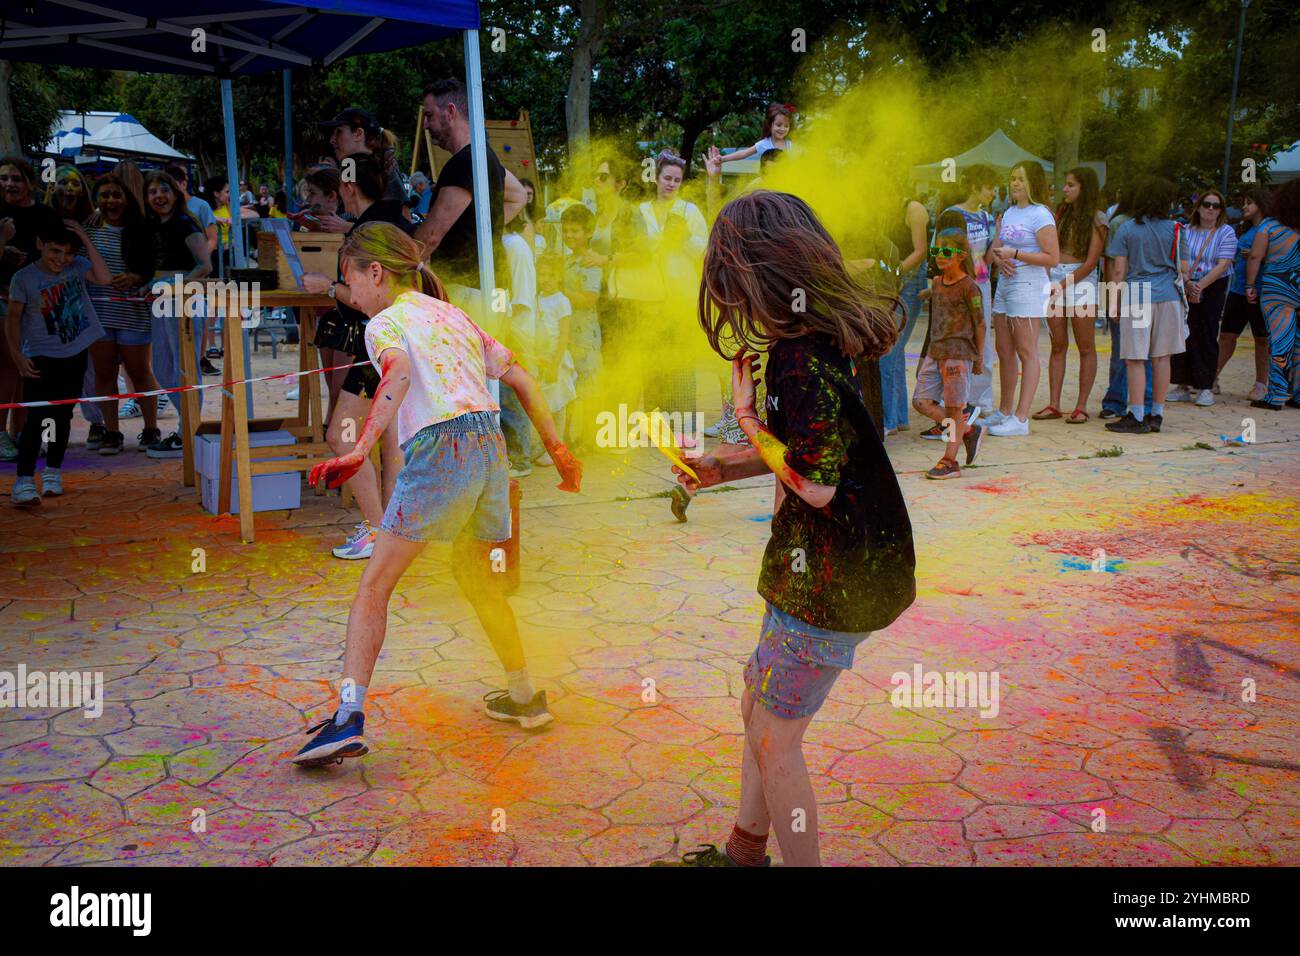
<point>499,705</point>
<point>51,483</point>
<point>25,494</point>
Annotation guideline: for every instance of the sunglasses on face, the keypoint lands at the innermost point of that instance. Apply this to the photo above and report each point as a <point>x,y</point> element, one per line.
<point>944,252</point>
<point>1211,205</point>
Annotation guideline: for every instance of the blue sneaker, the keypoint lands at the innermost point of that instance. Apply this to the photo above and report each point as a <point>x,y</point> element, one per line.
<point>333,742</point>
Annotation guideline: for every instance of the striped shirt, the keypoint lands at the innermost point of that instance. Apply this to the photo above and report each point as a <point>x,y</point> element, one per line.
<point>132,316</point>
<point>1206,247</point>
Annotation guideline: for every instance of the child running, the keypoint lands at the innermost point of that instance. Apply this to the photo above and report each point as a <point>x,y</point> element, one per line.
<point>840,562</point>
<point>434,363</point>
<point>954,352</point>
<point>51,318</point>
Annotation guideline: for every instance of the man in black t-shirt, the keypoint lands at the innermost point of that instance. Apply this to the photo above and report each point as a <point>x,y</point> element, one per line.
<point>449,229</point>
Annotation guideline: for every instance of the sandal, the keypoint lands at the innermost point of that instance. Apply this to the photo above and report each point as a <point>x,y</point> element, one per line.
<point>1047,412</point>
<point>1077,417</point>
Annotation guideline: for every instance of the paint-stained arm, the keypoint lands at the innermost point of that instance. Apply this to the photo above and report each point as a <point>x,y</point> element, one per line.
<point>770,448</point>
<point>396,380</point>
<point>530,397</point>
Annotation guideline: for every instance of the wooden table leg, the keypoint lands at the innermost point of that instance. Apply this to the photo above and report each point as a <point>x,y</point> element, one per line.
<point>190,414</point>
<point>234,424</point>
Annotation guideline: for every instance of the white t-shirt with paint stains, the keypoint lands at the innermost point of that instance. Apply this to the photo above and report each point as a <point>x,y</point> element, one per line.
<point>451,360</point>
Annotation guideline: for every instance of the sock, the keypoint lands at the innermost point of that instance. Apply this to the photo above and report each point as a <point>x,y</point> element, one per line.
<point>1137,412</point>
<point>349,707</point>
<point>746,849</point>
<point>521,688</point>
<point>1158,408</point>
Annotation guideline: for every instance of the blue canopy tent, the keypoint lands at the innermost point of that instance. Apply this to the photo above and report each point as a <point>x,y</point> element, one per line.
<point>230,38</point>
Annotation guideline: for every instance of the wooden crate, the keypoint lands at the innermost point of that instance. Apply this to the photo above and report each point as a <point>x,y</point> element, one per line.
<point>318,252</point>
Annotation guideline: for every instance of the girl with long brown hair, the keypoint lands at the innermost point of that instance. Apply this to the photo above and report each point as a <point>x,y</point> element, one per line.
<point>1081,226</point>
<point>840,562</point>
<point>435,363</point>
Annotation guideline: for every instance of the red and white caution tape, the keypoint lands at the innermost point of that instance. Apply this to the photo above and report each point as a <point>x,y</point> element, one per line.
<point>173,391</point>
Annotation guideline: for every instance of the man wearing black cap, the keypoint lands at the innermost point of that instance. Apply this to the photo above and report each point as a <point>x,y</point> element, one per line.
<point>358,131</point>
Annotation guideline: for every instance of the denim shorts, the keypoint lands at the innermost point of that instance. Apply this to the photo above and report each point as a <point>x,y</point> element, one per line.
<point>455,479</point>
<point>128,337</point>
<point>795,664</point>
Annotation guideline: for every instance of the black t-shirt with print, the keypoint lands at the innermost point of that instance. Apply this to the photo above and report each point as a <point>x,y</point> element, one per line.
<point>28,221</point>
<point>849,566</point>
<point>456,257</point>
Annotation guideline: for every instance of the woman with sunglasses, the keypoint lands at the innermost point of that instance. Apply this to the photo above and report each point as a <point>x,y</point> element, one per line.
<point>1212,245</point>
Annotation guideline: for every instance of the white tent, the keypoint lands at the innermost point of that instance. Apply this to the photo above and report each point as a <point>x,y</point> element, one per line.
<point>1285,165</point>
<point>90,133</point>
<point>998,151</point>
<point>75,128</point>
<point>126,134</point>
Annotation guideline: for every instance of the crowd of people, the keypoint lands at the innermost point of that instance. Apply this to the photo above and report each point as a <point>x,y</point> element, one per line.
<point>598,293</point>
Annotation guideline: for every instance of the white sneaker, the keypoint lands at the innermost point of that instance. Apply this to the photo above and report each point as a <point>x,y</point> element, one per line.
<point>1205,399</point>
<point>292,395</point>
<point>1259,392</point>
<point>1010,428</point>
<point>359,545</point>
<point>994,417</point>
<point>1179,393</point>
<point>712,430</point>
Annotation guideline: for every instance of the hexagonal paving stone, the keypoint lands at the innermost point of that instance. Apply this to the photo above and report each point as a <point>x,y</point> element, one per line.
<point>123,776</point>
<point>52,758</point>
<point>654,803</point>
<point>662,725</point>
<point>53,814</point>
<point>433,842</point>
<point>1002,823</point>
<point>266,780</point>
<point>932,842</point>
<point>248,831</point>
<point>1082,849</point>
<point>333,849</point>
<point>529,823</point>
<point>628,845</point>
<point>172,803</point>
<point>917,801</point>
<point>223,714</point>
<point>898,761</point>
<point>1003,783</point>
<point>370,810</point>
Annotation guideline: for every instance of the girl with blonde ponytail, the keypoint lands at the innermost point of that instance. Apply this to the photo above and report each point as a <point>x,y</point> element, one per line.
<point>454,485</point>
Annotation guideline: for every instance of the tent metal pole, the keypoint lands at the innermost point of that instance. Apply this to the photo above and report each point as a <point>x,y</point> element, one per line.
<point>288,142</point>
<point>482,195</point>
<point>232,173</point>
<point>478,158</point>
